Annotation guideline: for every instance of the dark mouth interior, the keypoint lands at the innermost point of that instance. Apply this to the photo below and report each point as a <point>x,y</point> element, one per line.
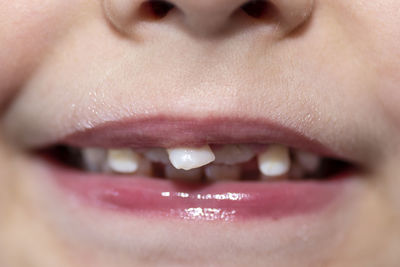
<point>329,168</point>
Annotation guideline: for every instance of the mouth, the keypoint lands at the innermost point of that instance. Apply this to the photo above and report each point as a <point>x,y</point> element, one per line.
<point>209,170</point>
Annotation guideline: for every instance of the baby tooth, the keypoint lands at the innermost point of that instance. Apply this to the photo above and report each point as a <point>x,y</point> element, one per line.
<point>188,158</point>
<point>94,159</point>
<point>233,154</point>
<point>222,172</point>
<point>310,162</point>
<point>274,161</point>
<point>193,175</point>
<point>123,160</point>
<point>157,155</point>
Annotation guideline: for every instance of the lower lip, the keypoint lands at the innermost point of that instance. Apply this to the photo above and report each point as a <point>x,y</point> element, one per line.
<point>224,201</point>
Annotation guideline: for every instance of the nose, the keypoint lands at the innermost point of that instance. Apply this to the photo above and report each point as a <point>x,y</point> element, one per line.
<point>208,16</point>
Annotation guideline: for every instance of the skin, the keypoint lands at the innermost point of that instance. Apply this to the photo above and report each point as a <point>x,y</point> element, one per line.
<point>328,68</point>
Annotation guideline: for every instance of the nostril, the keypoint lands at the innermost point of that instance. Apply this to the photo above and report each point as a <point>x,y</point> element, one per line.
<point>257,8</point>
<point>156,9</point>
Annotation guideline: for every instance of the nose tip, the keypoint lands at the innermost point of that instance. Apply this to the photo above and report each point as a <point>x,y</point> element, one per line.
<point>208,16</point>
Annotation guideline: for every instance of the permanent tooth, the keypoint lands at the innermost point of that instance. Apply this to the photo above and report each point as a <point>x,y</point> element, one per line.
<point>123,160</point>
<point>188,158</point>
<point>222,172</point>
<point>233,154</point>
<point>191,175</point>
<point>274,161</point>
<point>158,155</point>
<point>94,159</point>
<point>310,162</point>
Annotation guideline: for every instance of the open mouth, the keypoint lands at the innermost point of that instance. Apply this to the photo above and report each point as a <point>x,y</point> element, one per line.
<point>208,163</point>
<point>200,170</point>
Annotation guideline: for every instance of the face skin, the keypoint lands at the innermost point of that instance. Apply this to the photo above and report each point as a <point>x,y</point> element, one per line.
<point>329,69</point>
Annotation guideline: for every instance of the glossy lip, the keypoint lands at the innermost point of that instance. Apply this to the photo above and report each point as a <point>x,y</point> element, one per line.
<point>224,201</point>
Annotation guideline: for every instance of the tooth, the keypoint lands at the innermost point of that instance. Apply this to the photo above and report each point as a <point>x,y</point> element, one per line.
<point>310,162</point>
<point>94,159</point>
<point>188,158</point>
<point>158,155</point>
<point>192,175</point>
<point>233,154</point>
<point>222,172</point>
<point>274,161</point>
<point>123,160</point>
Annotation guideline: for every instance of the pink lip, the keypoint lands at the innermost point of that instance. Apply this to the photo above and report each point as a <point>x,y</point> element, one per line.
<point>225,201</point>
<point>167,132</point>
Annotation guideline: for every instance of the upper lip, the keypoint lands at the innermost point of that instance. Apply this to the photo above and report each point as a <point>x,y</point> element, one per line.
<point>176,132</point>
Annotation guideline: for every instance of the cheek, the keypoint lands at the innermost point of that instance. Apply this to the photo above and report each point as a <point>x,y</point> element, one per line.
<point>387,63</point>
<point>380,37</point>
<point>389,95</point>
<point>28,31</point>
<point>388,72</point>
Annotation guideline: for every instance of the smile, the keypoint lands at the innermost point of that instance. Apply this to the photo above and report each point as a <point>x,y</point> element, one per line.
<point>213,170</point>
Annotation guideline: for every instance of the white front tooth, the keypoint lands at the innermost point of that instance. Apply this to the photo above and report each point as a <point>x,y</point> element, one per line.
<point>157,155</point>
<point>94,159</point>
<point>310,162</point>
<point>123,160</point>
<point>188,158</point>
<point>222,172</point>
<point>191,175</point>
<point>233,154</point>
<point>274,161</point>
